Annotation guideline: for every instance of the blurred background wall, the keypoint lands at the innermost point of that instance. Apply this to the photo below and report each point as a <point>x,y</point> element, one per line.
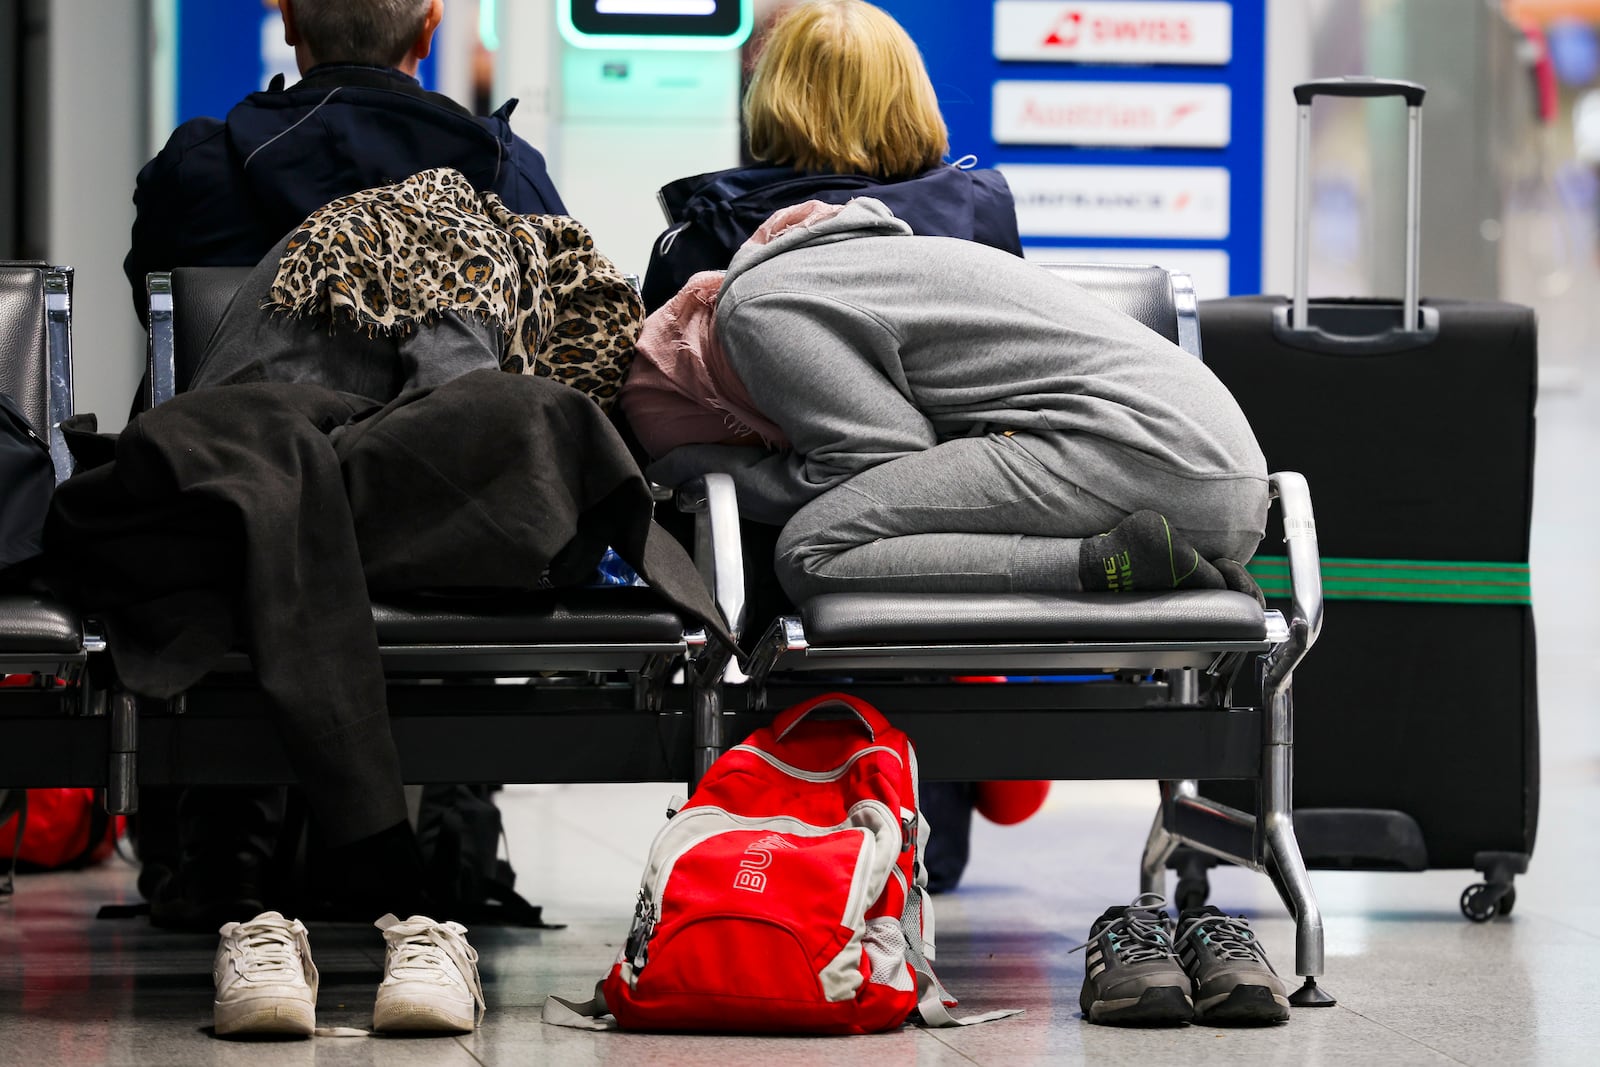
<point>76,93</point>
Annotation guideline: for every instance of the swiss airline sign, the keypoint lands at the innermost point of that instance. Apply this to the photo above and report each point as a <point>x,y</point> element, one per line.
<point>1112,113</point>
<point>1114,31</point>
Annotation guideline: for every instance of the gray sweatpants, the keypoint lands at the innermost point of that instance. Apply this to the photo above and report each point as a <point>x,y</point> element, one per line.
<point>998,514</point>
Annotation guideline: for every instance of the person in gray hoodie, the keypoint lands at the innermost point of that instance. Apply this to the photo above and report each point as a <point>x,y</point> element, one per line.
<point>964,421</point>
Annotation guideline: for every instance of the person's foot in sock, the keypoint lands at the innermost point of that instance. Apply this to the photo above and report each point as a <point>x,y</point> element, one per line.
<point>1239,580</point>
<point>1143,553</point>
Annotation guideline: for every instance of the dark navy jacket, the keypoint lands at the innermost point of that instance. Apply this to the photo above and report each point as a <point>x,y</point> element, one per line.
<point>713,214</point>
<point>223,193</point>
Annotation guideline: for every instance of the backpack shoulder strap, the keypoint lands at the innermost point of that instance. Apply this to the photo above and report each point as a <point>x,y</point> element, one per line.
<point>932,997</point>
<point>592,1014</point>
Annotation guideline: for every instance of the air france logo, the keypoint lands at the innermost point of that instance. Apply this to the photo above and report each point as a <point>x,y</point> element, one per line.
<point>752,873</point>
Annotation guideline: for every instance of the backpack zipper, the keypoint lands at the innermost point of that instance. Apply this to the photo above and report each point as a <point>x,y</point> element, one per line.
<point>637,948</point>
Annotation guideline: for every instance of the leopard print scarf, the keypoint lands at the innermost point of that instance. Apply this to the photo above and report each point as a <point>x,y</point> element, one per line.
<point>388,259</point>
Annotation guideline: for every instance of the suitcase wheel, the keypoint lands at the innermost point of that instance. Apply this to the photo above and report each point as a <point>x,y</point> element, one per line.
<point>1194,884</point>
<point>1482,901</point>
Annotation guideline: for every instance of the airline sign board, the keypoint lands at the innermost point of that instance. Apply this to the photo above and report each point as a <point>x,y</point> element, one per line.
<point>1114,31</point>
<point>1112,113</point>
<point>1055,200</point>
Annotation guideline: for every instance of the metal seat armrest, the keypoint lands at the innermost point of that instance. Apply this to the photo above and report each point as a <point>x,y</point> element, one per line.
<point>1305,573</point>
<point>58,342</point>
<point>1187,305</point>
<point>718,551</point>
<point>161,374</point>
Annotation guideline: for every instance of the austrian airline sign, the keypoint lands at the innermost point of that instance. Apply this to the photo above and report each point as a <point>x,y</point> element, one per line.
<point>1112,113</point>
<point>1063,200</point>
<point>1114,31</point>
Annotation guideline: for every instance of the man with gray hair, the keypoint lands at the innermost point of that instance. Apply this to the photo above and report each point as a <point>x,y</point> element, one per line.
<point>377,33</point>
<point>222,193</point>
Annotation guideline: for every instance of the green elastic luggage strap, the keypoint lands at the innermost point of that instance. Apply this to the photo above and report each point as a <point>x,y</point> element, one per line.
<point>1421,581</point>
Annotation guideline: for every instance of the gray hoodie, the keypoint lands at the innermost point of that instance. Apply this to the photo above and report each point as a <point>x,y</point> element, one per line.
<point>865,343</point>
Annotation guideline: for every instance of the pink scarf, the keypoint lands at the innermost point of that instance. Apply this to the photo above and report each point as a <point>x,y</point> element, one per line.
<point>681,389</point>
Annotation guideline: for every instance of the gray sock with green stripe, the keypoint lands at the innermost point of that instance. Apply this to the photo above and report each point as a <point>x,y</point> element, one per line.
<point>1143,553</point>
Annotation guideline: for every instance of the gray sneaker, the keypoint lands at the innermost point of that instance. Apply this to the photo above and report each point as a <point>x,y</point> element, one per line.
<point>1233,982</point>
<point>1132,976</point>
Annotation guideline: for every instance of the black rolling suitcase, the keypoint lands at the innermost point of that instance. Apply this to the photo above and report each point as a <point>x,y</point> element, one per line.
<point>1415,714</point>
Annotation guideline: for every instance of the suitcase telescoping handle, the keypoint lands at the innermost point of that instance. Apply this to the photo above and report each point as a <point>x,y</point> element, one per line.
<point>1414,325</point>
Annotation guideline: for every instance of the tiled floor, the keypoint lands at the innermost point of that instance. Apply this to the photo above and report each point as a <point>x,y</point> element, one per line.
<point>1416,983</point>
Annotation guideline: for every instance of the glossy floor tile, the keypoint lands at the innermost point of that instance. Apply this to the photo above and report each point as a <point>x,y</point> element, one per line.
<point>1416,983</point>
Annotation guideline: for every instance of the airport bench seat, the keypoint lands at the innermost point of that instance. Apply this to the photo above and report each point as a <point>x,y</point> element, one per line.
<point>39,635</point>
<point>1176,686</point>
<point>459,728</point>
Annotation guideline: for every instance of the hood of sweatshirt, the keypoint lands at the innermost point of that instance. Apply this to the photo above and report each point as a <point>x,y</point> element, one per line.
<point>862,217</point>
<point>942,201</point>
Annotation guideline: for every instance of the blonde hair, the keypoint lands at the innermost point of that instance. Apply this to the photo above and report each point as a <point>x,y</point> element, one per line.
<point>840,86</point>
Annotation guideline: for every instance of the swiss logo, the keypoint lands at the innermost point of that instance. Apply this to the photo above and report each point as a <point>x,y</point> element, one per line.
<point>1191,32</point>
<point>1072,27</point>
<point>1065,32</point>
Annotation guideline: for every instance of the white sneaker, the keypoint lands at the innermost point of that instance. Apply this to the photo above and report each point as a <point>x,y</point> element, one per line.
<point>266,982</point>
<point>430,977</point>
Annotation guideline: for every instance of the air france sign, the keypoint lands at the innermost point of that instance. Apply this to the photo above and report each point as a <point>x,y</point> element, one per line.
<point>1129,31</point>
<point>1112,113</point>
<point>1087,201</point>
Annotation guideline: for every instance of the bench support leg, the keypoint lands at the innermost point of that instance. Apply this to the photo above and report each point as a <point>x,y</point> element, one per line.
<point>1158,847</point>
<point>1282,857</point>
<point>122,780</point>
<point>1183,687</point>
<point>707,728</point>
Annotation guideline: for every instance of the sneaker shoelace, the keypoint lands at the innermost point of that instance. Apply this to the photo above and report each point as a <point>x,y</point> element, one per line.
<point>421,949</point>
<point>1139,934</point>
<point>272,948</point>
<point>1227,937</point>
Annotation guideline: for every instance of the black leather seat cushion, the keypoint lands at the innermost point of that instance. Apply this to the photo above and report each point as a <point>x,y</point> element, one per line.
<point>972,618</point>
<point>559,617</point>
<point>24,356</point>
<point>34,624</point>
<point>200,297</point>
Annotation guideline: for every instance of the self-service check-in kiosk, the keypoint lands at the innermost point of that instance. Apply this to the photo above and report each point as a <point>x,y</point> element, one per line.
<point>648,92</point>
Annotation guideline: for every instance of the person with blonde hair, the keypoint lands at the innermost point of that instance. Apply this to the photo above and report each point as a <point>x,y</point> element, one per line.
<point>839,105</point>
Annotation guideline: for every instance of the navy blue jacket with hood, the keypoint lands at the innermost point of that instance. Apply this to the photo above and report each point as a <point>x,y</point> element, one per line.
<point>224,193</point>
<point>713,214</point>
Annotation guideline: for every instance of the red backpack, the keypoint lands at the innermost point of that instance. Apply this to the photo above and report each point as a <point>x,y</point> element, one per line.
<point>59,828</point>
<point>786,895</point>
